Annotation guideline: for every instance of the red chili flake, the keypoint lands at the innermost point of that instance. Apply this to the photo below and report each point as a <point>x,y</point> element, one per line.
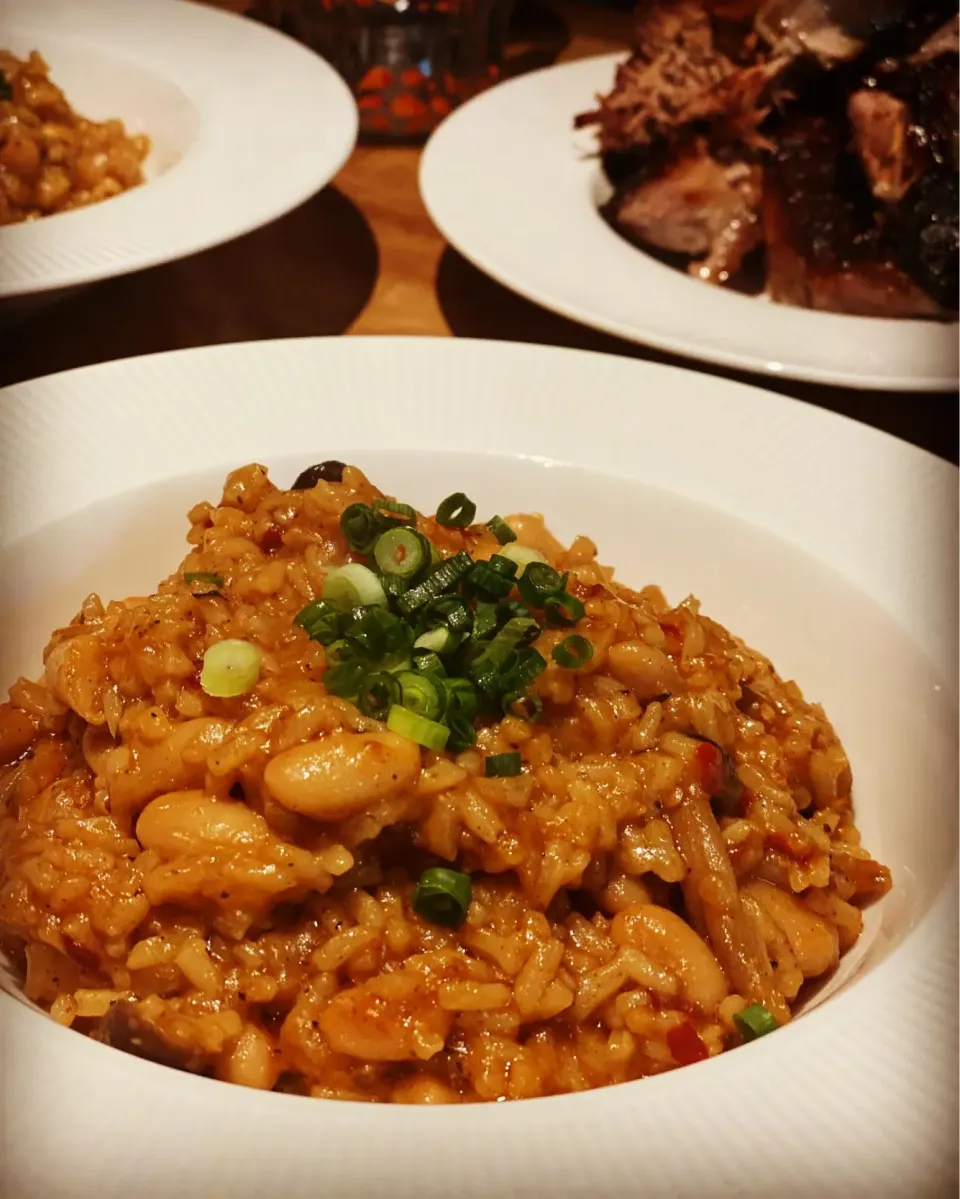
<point>375,80</point>
<point>685,1044</point>
<point>710,767</point>
<point>85,958</point>
<point>272,539</point>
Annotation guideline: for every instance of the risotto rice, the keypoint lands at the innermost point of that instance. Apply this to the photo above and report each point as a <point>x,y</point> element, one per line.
<point>632,862</point>
<point>51,158</point>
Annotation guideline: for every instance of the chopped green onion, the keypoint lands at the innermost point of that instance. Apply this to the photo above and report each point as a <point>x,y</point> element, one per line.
<point>573,652</point>
<point>393,585</point>
<point>203,576</point>
<point>487,580</point>
<point>456,511</point>
<point>379,636</point>
<point>378,693</point>
<point>565,610</point>
<point>523,555</point>
<point>401,552</point>
<point>496,656</point>
<point>443,896</point>
<point>345,678</point>
<point>529,664</point>
<point>321,620</point>
<point>503,766</point>
<point>427,662</point>
<point>755,1021</point>
<point>420,694</point>
<point>427,733</point>
<point>462,732</point>
<point>396,513</point>
<point>360,527</point>
<point>449,611</point>
<point>538,583</point>
<point>461,697</point>
<point>353,585</point>
<point>525,705</point>
<point>230,668</point>
<point>501,530</point>
<point>439,640</point>
<point>444,578</point>
<point>485,620</point>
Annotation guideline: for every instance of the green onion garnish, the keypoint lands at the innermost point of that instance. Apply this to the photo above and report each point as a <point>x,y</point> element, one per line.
<point>446,576</point>
<point>501,530</point>
<point>427,733</point>
<point>378,693</point>
<point>439,640</point>
<point>572,652</point>
<point>525,705</point>
<point>503,766</point>
<point>360,527</point>
<point>442,896</point>
<point>203,576</point>
<point>486,580</point>
<point>538,583</point>
<point>755,1021</point>
<point>345,678</point>
<point>230,668</point>
<point>427,662</point>
<point>421,694</point>
<point>564,609</point>
<point>486,619</point>
<point>401,552</point>
<point>321,620</point>
<point>456,511</point>
<point>395,512</point>
<point>352,585</point>
<point>523,555</point>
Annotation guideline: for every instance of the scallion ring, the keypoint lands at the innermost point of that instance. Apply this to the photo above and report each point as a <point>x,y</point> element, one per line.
<point>230,668</point>
<point>538,583</point>
<point>572,652</point>
<point>345,678</point>
<point>443,896</point>
<point>501,530</point>
<point>378,693</point>
<point>755,1021</point>
<point>421,694</point>
<point>525,705</point>
<point>359,526</point>
<point>203,576</point>
<point>564,610</point>
<point>439,640</point>
<point>321,620</point>
<point>523,555</point>
<point>444,578</point>
<point>428,733</point>
<point>402,552</point>
<point>503,766</point>
<point>352,586</point>
<point>457,511</point>
<point>394,512</point>
<point>427,662</point>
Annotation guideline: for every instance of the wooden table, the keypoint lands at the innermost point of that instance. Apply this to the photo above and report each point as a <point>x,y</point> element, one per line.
<point>362,257</point>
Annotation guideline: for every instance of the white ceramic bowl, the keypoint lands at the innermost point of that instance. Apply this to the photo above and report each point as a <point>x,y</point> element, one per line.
<point>826,544</point>
<point>245,124</point>
<point>516,190</point>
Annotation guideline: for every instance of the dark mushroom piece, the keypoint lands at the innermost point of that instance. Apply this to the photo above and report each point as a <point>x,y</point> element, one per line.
<point>326,472</point>
<point>122,1028</point>
<point>725,799</point>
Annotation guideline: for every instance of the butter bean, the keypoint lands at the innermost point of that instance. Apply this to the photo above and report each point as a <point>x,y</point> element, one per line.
<point>191,820</point>
<point>646,670</point>
<point>343,773</point>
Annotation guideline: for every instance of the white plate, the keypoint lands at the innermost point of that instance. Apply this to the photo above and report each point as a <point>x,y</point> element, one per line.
<point>828,545</point>
<point>516,190</point>
<point>245,125</point>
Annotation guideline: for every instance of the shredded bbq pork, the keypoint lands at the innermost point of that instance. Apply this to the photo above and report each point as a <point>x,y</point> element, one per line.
<point>822,132</point>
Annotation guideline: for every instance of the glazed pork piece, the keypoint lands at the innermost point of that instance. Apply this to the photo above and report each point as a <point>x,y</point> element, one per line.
<point>823,131</point>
